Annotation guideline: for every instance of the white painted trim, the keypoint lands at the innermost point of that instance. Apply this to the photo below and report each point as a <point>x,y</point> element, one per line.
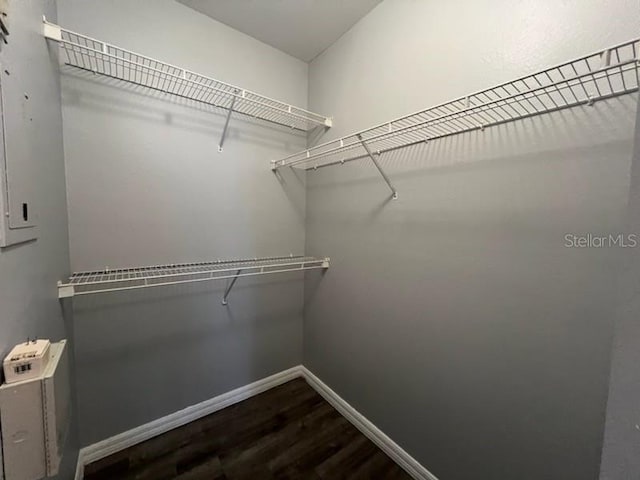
<point>80,467</point>
<point>373,433</point>
<point>162,425</point>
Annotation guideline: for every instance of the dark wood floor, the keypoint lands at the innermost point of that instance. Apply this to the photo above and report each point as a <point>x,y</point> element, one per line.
<point>289,432</point>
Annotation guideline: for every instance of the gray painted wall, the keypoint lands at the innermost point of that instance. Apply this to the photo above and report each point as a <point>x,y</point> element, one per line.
<point>146,185</point>
<point>621,451</point>
<point>29,272</point>
<point>454,317</point>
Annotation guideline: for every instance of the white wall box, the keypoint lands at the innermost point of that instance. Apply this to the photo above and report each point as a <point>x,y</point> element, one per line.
<point>27,360</point>
<point>35,419</point>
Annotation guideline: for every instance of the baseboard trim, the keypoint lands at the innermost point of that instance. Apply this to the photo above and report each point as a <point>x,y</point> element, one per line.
<point>122,441</point>
<point>162,425</point>
<point>373,433</point>
<point>79,467</point>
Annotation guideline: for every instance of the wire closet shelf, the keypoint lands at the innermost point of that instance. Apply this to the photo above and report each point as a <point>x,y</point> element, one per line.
<point>91,55</point>
<point>113,280</point>
<point>604,74</point>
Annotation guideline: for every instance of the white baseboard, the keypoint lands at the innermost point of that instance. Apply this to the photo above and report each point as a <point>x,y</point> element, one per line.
<point>373,433</point>
<point>80,467</point>
<point>162,425</point>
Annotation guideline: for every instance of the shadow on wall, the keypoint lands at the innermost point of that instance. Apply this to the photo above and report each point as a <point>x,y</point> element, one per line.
<point>179,322</point>
<point>312,281</point>
<point>293,183</point>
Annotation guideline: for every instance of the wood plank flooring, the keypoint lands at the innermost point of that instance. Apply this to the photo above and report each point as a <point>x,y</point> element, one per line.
<point>288,432</point>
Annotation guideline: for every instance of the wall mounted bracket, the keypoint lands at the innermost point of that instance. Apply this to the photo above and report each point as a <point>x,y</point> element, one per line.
<point>229,287</point>
<point>226,123</point>
<point>375,162</point>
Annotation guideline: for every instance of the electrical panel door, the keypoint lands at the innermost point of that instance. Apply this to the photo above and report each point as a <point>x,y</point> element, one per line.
<point>17,162</point>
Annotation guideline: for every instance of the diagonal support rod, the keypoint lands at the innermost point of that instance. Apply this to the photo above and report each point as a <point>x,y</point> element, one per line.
<point>226,124</point>
<point>375,162</point>
<point>228,290</point>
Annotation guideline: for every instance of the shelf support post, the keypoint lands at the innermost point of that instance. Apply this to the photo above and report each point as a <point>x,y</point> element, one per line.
<point>228,290</point>
<point>226,123</point>
<point>375,162</point>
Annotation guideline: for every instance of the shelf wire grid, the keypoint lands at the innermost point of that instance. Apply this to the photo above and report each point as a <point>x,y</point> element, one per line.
<point>89,54</point>
<point>604,74</point>
<point>118,279</point>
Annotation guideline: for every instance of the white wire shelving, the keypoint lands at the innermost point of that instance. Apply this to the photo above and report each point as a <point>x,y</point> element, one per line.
<point>91,55</point>
<point>120,279</point>
<point>600,75</point>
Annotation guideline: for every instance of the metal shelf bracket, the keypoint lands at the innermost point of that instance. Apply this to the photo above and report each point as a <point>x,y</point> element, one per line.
<point>229,287</point>
<point>324,264</point>
<point>375,162</point>
<point>226,124</point>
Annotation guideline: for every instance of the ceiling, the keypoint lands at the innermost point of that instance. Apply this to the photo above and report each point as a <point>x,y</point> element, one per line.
<point>302,28</point>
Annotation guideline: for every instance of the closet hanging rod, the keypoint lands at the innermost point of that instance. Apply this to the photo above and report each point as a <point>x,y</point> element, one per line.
<point>98,57</point>
<point>120,279</point>
<point>604,74</point>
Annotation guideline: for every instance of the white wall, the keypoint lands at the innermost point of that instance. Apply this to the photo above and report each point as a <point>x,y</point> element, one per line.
<point>454,317</point>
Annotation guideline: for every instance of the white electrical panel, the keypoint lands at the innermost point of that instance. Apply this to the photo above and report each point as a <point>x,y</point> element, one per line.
<point>34,418</point>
